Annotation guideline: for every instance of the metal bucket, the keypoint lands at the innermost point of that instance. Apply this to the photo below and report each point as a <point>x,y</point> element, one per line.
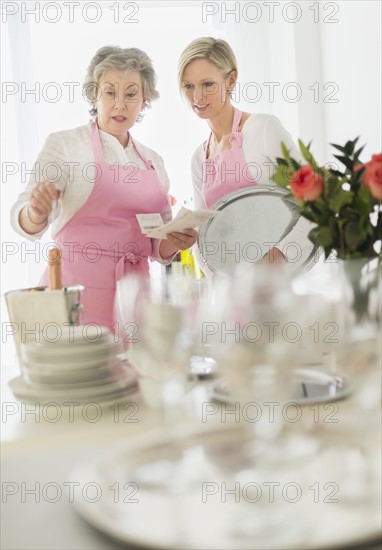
<point>29,314</point>
<point>72,295</point>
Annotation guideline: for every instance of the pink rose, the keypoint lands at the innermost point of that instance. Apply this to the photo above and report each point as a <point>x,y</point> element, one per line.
<point>373,175</point>
<point>306,184</point>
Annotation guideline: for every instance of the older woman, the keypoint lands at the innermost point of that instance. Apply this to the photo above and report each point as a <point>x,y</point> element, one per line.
<point>239,143</point>
<point>94,179</point>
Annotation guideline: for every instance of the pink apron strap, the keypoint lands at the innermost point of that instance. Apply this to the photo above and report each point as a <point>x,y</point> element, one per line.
<point>208,146</point>
<point>236,120</point>
<point>96,139</point>
<point>148,163</point>
<point>235,125</point>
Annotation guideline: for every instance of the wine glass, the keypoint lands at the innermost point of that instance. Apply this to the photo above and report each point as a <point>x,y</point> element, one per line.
<point>257,350</point>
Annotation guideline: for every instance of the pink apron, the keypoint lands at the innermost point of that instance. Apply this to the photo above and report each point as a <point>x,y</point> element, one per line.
<point>102,242</point>
<point>228,170</point>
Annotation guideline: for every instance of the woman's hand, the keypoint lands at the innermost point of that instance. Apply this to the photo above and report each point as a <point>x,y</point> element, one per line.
<point>274,256</point>
<point>33,218</point>
<point>185,240</point>
<point>41,201</point>
<point>177,241</point>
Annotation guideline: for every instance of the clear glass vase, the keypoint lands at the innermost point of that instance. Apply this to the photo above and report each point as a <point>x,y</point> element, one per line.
<point>362,280</point>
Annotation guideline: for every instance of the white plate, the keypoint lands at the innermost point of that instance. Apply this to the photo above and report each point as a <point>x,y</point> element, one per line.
<point>310,386</point>
<point>44,375</point>
<point>75,336</point>
<point>150,511</point>
<point>60,354</point>
<point>22,390</point>
<point>63,385</point>
<point>68,364</point>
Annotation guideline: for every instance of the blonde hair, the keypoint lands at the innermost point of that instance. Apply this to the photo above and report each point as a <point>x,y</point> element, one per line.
<point>122,59</point>
<point>216,50</point>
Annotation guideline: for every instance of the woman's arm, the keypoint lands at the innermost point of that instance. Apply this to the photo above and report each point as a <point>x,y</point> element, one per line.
<point>177,241</point>
<point>48,180</point>
<point>164,250</point>
<point>33,218</point>
<point>197,185</point>
<point>197,177</point>
<point>274,134</point>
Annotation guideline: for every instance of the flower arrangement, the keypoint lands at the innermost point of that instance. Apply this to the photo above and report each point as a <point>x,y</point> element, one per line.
<point>344,205</point>
<point>346,208</point>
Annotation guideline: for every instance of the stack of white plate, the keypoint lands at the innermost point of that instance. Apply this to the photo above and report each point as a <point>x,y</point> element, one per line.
<point>81,364</point>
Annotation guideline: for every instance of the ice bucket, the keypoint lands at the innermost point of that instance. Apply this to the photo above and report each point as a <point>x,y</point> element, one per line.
<point>34,311</point>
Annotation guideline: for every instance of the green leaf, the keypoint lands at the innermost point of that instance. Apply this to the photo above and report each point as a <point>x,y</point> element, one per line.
<point>285,151</point>
<point>346,161</point>
<point>365,226</point>
<point>296,165</point>
<point>281,176</point>
<point>353,235</point>
<point>332,186</point>
<point>324,236</point>
<point>335,173</point>
<point>339,147</point>
<point>321,210</point>
<point>365,196</point>
<point>309,215</point>
<point>307,154</point>
<point>305,151</point>
<point>357,153</point>
<point>349,146</point>
<point>340,199</point>
<point>281,161</point>
<point>363,209</point>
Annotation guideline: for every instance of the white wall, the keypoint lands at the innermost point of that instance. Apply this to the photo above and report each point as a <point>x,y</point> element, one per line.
<point>332,50</point>
<point>351,56</point>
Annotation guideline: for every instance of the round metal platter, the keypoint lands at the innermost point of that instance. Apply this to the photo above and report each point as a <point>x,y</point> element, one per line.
<point>160,504</point>
<point>251,221</point>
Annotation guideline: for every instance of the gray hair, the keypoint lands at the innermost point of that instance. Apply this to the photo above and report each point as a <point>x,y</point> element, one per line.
<point>121,59</point>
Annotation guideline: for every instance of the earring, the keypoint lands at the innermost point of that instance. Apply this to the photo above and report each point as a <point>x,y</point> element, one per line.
<point>140,117</point>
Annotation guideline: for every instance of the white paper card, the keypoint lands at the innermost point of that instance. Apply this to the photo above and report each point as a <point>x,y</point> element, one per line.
<point>148,222</point>
<point>185,219</point>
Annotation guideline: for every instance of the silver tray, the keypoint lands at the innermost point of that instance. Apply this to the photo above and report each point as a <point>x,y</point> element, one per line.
<point>249,218</point>
<point>149,490</point>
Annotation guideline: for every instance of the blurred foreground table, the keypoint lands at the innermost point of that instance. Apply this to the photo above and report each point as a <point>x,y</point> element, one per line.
<point>39,449</point>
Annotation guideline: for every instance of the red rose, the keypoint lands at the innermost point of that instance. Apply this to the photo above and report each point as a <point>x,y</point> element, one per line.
<point>306,184</point>
<point>372,176</point>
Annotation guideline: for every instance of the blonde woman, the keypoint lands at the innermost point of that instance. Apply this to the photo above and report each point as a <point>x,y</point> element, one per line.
<point>241,146</point>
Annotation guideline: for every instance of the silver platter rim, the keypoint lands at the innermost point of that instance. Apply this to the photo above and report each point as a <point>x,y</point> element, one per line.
<point>258,189</point>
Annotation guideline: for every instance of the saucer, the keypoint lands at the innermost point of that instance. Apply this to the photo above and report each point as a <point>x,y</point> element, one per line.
<point>309,386</point>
